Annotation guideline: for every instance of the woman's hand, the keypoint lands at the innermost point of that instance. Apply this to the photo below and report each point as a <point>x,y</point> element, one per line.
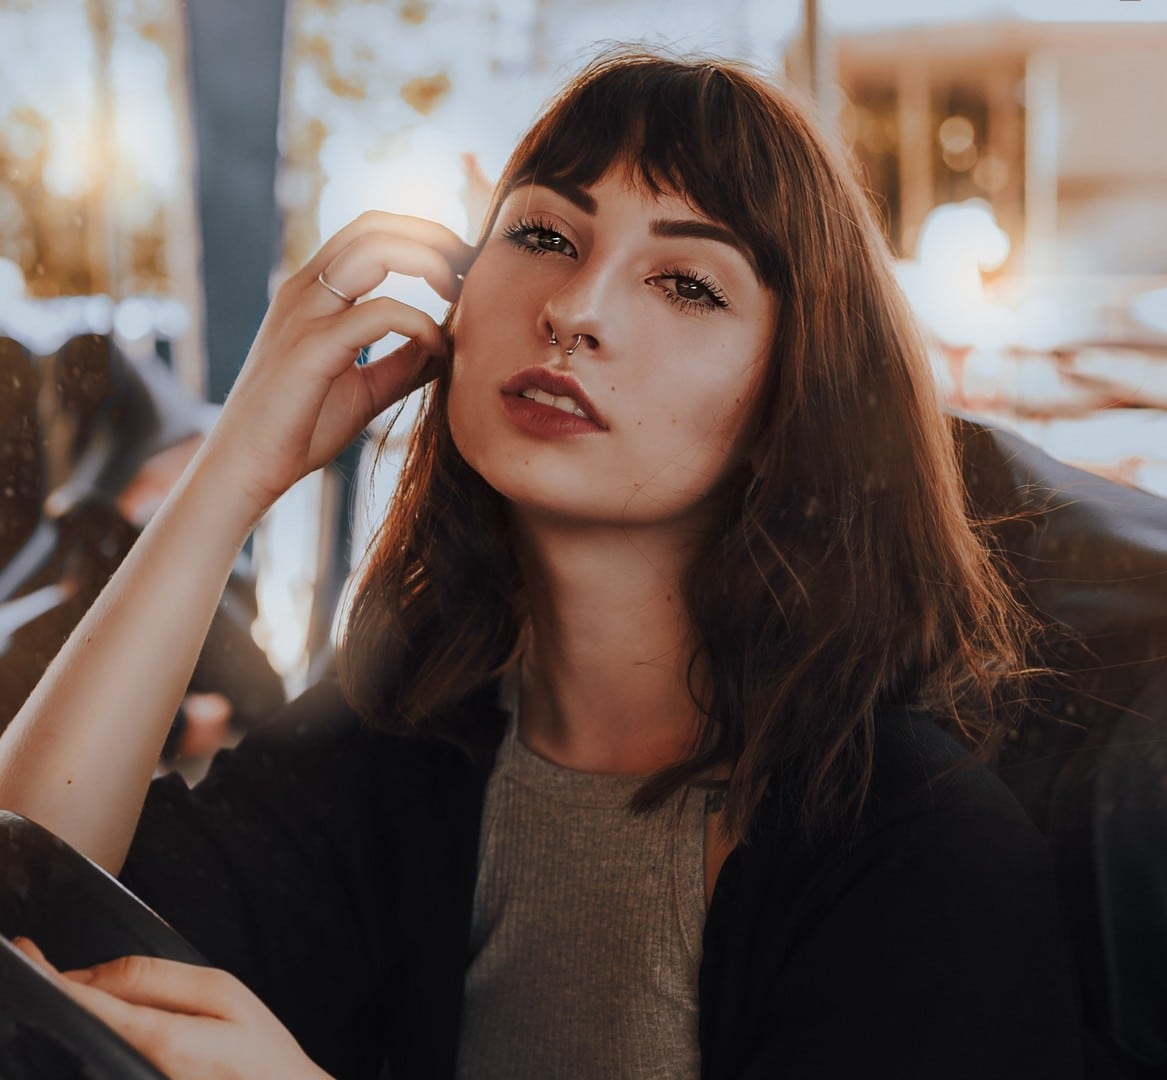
<point>301,397</point>
<point>188,1021</point>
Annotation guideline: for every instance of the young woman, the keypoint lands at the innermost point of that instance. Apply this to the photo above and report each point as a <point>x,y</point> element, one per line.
<point>636,769</point>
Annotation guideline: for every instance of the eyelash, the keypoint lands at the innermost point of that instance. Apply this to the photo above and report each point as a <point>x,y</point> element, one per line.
<point>520,234</point>
<point>716,298</point>
<point>522,231</point>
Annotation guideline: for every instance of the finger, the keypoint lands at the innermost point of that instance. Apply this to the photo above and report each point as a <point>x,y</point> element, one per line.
<point>368,260</point>
<point>399,373</point>
<point>164,984</point>
<point>33,952</point>
<point>365,392</point>
<point>383,315</point>
<point>150,1031</point>
<point>105,1007</point>
<point>457,253</point>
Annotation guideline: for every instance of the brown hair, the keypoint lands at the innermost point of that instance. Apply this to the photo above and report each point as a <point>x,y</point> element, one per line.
<point>846,578</point>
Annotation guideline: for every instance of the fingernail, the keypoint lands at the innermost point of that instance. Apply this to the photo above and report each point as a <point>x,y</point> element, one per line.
<point>363,356</point>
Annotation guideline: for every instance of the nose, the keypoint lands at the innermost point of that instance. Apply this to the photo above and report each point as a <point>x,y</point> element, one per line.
<point>579,316</point>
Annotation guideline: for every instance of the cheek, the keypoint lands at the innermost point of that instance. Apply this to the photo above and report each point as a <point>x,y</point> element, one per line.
<point>461,410</point>
<point>722,429</point>
<point>473,388</point>
<point>475,337</point>
<point>708,406</point>
<point>734,419</point>
<point>494,284</point>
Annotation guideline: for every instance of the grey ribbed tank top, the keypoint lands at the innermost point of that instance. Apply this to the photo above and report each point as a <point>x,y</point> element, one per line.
<point>586,932</point>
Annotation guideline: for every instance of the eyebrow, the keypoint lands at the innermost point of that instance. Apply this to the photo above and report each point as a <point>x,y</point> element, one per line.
<point>573,193</point>
<point>699,230</point>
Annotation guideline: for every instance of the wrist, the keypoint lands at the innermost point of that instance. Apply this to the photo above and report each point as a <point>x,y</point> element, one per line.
<point>225,504</point>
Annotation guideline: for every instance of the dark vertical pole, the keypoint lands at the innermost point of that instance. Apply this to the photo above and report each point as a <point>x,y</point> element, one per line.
<point>236,56</point>
<point>236,51</point>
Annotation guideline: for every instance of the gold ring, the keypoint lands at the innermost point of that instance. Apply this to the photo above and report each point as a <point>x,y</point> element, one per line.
<point>334,290</point>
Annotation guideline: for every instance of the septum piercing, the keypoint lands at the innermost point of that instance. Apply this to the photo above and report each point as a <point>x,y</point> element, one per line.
<point>553,340</point>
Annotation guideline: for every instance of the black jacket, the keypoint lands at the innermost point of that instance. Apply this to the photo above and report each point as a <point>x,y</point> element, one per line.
<point>332,868</point>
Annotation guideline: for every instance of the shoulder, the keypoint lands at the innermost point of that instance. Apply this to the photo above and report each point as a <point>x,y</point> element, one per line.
<point>318,764</point>
<point>931,934</point>
<point>316,740</point>
<point>319,732</point>
<point>312,794</point>
<point>933,812</point>
<point>923,780</point>
<point>944,837</point>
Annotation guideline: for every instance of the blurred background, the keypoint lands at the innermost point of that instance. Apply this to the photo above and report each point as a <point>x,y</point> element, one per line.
<point>163,164</point>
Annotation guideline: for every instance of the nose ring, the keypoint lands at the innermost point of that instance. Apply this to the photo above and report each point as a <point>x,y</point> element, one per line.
<point>574,346</point>
<point>553,339</point>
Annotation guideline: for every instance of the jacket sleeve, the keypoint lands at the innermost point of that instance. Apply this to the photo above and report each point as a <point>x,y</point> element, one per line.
<point>276,868</point>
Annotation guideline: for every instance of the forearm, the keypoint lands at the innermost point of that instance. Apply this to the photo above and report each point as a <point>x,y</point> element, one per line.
<point>79,755</point>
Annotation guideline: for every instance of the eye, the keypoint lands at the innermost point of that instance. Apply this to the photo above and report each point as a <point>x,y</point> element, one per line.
<point>690,290</point>
<point>538,238</point>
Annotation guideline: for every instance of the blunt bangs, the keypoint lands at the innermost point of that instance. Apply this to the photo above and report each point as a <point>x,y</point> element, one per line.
<point>706,133</point>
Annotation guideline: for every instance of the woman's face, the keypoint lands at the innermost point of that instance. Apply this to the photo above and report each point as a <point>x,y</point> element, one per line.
<point>668,331</point>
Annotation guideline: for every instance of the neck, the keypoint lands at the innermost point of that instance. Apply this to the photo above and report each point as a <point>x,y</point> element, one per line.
<point>604,683</point>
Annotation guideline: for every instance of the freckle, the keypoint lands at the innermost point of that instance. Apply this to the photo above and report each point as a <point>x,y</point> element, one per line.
<point>69,781</point>
<point>611,388</point>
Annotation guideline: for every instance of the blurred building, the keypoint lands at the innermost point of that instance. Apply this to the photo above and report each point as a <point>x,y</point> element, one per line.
<point>1021,170</point>
<point>1058,127</point>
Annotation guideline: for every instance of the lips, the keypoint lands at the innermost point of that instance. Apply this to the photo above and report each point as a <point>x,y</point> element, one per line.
<point>553,389</point>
